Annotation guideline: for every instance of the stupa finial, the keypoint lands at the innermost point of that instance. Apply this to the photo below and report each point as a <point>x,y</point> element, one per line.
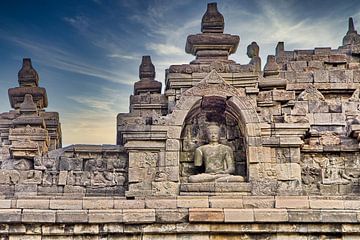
<point>213,20</point>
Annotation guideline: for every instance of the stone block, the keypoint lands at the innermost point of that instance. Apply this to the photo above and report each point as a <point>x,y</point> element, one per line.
<point>62,177</point>
<point>239,215</point>
<point>270,215</point>
<point>86,229</point>
<point>259,201</point>
<point>174,132</point>
<point>17,228</point>
<point>254,154</point>
<point>288,171</point>
<point>98,203</point>
<point>112,228</point>
<point>206,215</point>
<point>332,216</point>
<point>30,177</point>
<point>338,76</point>
<point>74,204</point>
<point>38,216</point>
<point>141,174</point>
<point>316,65</point>
<point>226,202</point>
<point>74,190</point>
<point>5,203</point>
<point>138,216</point>
<point>192,202</point>
<point>301,108</point>
<point>128,204</point>
<point>169,173</point>
<point>105,216</point>
<point>326,204</point>
<point>304,77</point>
<point>68,164</point>
<point>71,216</point>
<point>25,237</point>
<point>338,118</point>
<point>165,188</point>
<point>322,118</point>
<point>171,158</point>
<point>291,202</point>
<point>356,76</point>
<point>321,76</point>
<point>352,204</point>
<point>172,145</point>
<point>283,95</point>
<point>53,230</point>
<point>297,66</point>
<point>33,203</point>
<point>171,215</point>
<point>304,215</point>
<point>318,107</point>
<point>143,159</point>
<point>10,215</point>
<point>26,189</point>
<point>161,203</point>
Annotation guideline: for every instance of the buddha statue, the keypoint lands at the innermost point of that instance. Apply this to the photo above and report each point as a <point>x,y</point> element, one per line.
<point>217,158</point>
<point>253,54</point>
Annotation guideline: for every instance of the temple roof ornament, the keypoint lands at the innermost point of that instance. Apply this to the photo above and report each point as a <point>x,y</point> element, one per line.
<point>147,81</point>
<point>28,80</point>
<point>271,68</point>
<point>27,76</point>
<point>351,37</point>
<point>28,106</point>
<point>213,20</point>
<point>212,44</point>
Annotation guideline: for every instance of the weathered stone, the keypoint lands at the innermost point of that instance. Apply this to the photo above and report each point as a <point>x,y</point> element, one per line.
<point>192,202</point>
<point>239,215</point>
<point>270,215</point>
<point>66,204</point>
<point>171,215</point>
<point>138,216</point>
<point>71,216</point>
<point>291,202</point>
<point>33,203</point>
<point>206,215</point>
<point>39,216</point>
<point>105,216</point>
<point>98,203</point>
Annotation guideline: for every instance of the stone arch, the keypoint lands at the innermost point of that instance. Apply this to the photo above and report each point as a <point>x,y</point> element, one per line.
<point>236,104</point>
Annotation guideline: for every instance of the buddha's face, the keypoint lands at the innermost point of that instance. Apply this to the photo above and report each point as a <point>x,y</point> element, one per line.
<point>213,134</point>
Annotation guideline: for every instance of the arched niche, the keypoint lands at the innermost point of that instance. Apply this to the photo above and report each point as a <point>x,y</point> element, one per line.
<point>215,100</point>
<point>207,110</point>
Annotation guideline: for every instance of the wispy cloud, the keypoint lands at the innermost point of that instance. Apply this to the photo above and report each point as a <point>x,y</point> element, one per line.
<point>165,49</point>
<point>55,57</point>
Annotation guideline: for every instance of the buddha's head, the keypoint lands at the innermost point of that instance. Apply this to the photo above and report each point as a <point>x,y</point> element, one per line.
<point>253,50</point>
<point>213,132</point>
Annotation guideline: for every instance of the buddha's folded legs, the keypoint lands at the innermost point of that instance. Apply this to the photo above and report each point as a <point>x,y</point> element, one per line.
<point>206,177</point>
<point>230,178</point>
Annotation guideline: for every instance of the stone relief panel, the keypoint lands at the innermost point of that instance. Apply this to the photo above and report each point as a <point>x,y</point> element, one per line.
<point>330,173</point>
<point>83,170</point>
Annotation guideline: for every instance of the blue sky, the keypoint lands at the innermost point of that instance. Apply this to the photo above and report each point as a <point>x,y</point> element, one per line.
<point>87,53</point>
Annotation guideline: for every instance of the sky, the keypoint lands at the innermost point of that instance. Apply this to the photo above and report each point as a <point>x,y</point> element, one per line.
<point>88,52</point>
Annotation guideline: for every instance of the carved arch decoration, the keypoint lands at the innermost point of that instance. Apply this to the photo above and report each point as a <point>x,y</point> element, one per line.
<point>214,100</point>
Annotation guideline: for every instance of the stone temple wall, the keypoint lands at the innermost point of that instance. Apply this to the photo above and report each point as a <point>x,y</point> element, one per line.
<point>286,158</point>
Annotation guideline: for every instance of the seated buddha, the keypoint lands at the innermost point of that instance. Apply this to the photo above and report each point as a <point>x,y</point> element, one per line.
<point>217,158</point>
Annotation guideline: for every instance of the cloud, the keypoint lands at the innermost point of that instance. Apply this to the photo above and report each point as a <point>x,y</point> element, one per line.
<point>121,56</point>
<point>51,56</point>
<point>94,118</point>
<point>165,49</point>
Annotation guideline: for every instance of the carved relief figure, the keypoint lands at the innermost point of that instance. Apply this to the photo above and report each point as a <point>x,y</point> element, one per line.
<point>217,158</point>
